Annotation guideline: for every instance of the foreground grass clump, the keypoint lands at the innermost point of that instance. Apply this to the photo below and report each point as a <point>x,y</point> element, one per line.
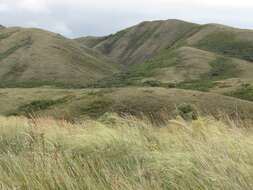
<point>124,153</point>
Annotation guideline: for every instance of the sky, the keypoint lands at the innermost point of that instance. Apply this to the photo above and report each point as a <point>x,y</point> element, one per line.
<point>74,18</point>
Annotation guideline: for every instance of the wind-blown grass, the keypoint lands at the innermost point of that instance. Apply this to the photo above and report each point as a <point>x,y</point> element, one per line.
<point>124,153</point>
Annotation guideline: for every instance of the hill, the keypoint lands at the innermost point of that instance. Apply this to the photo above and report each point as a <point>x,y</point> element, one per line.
<point>169,54</point>
<point>179,54</point>
<point>141,42</point>
<point>151,102</point>
<point>34,57</point>
<point>224,40</point>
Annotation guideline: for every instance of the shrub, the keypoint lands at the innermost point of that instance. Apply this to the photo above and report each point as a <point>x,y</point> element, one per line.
<point>152,83</point>
<point>187,111</point>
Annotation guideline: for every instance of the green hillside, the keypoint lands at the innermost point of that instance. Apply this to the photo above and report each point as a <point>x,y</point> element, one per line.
<point>170,54</point>
<point>177,54</point>
<point>185,67</point>
<point>141,42</point>
<point>33,57</point>
<point>224,40</point>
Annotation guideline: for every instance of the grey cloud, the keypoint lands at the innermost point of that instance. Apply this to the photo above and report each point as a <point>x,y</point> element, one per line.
<point>73,20</point>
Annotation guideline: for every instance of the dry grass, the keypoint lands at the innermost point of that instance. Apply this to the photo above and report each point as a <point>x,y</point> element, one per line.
<point>124,153</point>
<point>77,104</point>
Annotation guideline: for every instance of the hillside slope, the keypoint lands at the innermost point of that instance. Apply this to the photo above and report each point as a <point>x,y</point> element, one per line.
<point>224,40</point>
<point>199,69</point>
<point>33,57</point>
<point>171,53</point>
<point>175,53</point>
<point>152,102</point>
<point>141,42</point>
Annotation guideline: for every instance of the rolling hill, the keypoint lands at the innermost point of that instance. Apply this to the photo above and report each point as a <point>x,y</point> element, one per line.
<point>139,43</point>
<point>174,53</point>
<point>170,55</point>
<point>142,42</point>
<point>158,53</point>
<point>34,57</point>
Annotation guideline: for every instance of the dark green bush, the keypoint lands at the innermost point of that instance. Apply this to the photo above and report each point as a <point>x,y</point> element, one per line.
<point>187,111</point>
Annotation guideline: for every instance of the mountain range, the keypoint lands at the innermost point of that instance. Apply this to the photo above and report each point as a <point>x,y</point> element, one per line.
<point>211,58</point>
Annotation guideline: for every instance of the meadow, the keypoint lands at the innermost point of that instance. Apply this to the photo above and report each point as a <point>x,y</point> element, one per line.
<point>125,153</point>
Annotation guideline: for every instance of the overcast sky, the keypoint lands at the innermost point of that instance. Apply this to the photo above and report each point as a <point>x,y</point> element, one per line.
<point>75,18</point>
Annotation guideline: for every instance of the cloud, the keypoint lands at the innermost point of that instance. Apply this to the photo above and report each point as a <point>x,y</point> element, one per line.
<point>4,8</point>
<point>62,28</point>
<point>36,6</point>
<point>54,26</point>
<point>100,17</point>
<point>227,3</point>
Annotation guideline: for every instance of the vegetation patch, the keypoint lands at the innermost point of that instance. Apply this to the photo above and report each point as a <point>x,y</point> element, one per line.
<point>24,43</point>
<point>39,105</point>
<point>4,35</point>
<point>187,111</point>
<point>166,58</point>
<point>36,83</point>
<point>227,44</point>
<point>152,83</point>
<point>221,68</point>
<point>138,72</point>
<point>117,80</point>
<point>200,85</point>
<point>97,107</point>
<point>245,92</point>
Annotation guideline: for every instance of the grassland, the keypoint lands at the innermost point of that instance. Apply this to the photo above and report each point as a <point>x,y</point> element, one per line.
<point>125,111</point>
<point>76,105</point>
<point>124,153</point>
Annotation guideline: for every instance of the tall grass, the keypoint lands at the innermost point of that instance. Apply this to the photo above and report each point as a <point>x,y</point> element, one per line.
<point>116,153</point>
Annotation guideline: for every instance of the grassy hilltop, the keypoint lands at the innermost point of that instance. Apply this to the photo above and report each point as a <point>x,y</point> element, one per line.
<point>116,153</point>
<point>34,57</point>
